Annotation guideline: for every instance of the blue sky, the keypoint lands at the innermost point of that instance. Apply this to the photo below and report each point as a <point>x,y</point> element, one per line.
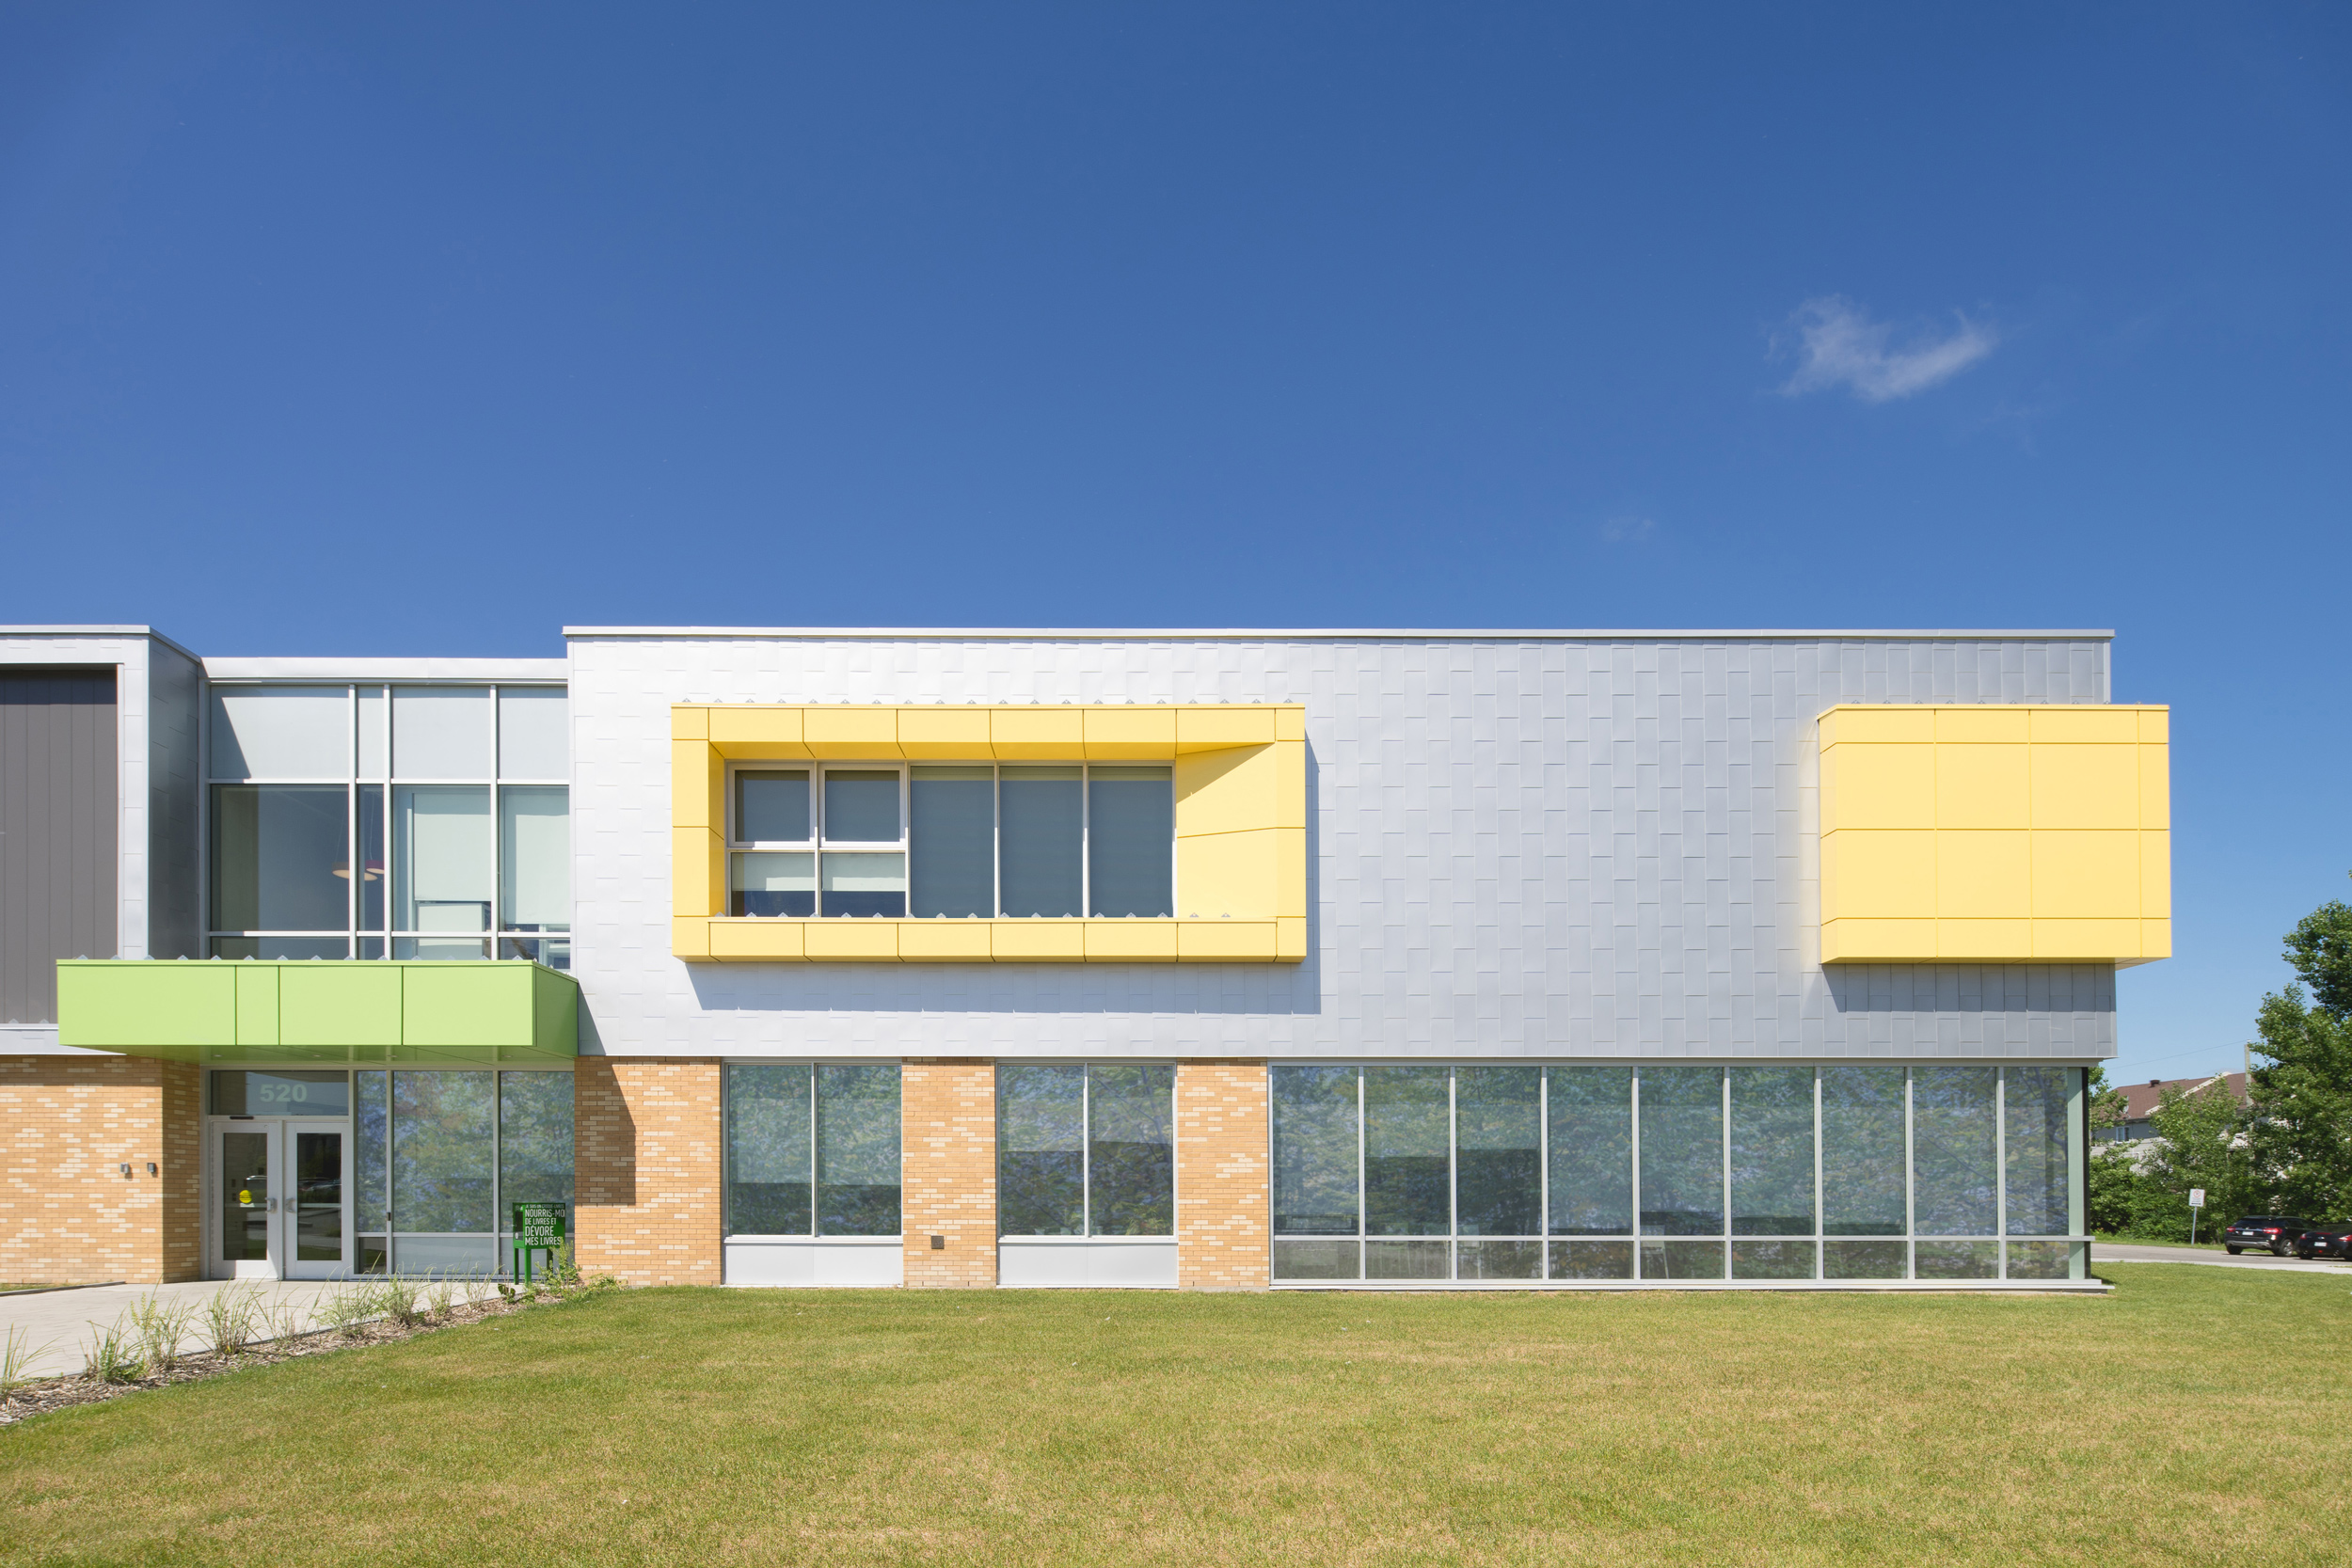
<point>394,330</point>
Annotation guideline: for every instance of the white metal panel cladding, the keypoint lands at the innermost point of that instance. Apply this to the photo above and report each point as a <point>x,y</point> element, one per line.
<point>1542,847</point>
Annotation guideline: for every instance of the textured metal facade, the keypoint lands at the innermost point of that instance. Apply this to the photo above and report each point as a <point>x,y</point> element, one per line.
<point>58,766</point>
<point>1518,847</point>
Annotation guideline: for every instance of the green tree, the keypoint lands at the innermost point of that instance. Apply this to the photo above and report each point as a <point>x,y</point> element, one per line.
<point>2204,1145</point>
<point>2301,1127</point>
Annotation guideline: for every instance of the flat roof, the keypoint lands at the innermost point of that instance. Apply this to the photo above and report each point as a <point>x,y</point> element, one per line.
<point>1387,634</point>
<point>97,631</point>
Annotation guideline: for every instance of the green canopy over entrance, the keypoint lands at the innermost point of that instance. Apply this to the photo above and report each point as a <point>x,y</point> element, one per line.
<point>319,1011</point>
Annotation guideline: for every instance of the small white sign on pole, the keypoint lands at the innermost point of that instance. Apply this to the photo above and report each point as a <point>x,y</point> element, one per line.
<point>2197,1198</point>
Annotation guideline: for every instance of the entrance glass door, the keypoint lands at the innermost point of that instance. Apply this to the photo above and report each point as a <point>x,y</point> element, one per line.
<point>314,1202</point>
<point>280,1209</point>
<point>248,1204</point>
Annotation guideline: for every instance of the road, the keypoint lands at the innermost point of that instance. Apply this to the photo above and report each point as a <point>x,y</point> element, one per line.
<point>2120,1251</point>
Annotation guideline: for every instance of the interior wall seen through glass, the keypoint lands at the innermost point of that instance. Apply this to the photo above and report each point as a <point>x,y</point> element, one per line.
<point>535,858</point>
<point>1041,841</point>
<point>443,860</point>
<point>861,883</point>
<point>441,731</point>
<point>278,1092</point>
<point>281,856</point>
<point>280,732</point>
<point>534,733</point>
<point>1131,830</point>
<point>772,882</point>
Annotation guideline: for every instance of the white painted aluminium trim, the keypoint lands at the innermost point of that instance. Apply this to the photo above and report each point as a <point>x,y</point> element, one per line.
<point>387,669</point>
<point>1164,634</point>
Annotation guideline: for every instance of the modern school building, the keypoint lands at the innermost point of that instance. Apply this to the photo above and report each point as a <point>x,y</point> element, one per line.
<point>1215,960</point>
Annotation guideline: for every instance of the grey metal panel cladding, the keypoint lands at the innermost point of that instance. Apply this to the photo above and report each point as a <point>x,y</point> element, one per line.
<point>174,698</point>
<point>58,786</point>
<point>1597,847</point>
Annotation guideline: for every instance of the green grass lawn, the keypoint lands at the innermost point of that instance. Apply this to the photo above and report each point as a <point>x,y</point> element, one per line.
<point>2196,1416</point>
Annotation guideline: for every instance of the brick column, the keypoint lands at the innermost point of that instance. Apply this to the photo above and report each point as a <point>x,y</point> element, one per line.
<point>646,1161</point>
<point>947,1181</point>
<point>1222,1170</point>
<point>68,1126</point>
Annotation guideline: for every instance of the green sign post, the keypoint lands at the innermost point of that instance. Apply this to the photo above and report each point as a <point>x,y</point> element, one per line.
<point>539,1227</point>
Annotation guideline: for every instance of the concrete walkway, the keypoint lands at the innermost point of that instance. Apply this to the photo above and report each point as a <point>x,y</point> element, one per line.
<point>63,1321</point>
<point>2124,1252</point>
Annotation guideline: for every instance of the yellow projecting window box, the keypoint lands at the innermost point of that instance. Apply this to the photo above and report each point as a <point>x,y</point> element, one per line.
<point>1992,834</point>
<point>1240,778</point>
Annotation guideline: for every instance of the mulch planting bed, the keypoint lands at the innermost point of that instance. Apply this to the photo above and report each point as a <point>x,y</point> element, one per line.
<point>39,1397</point>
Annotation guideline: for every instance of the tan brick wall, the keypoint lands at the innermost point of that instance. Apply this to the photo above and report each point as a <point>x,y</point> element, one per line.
<point>646,1161</point>
<point>68,1124</point>
<point>1223,1173</point>
<point>947,1112</point>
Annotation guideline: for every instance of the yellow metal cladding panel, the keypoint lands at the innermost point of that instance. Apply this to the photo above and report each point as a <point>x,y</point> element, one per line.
<point>690,723</point>
<point>2086,786</point>
<point>1982,724</point>
<point>851,732</point>
<point>1984,875</point>
<point>1289,723</point>
<point>2155,787</point>
<point>1878,784</point>
<point>957,734</point>
<point>2085,941</point>
<point>1204,729</point>
<point>1231,874</point>
<point>776,731</point>
<point>1990,940</point>
<point>1130,734</point>
<point>774,941</point>
<point>1037,734</point>
<point>1981,785</point>
<point>1879,941</point>
<point>1131,940</point>
<point>1227,942</point>
<point>2084,725</point>
<point>2047,832</point>
<point>698,870</point>
<point>944,941</point>
<point>1039,940</point>
<point>2155,876</point>
<point>849,938</point>
<point>2086,874</point>
<point>1228,791</point>
<point>1879,876</point>
<point>690,938</point>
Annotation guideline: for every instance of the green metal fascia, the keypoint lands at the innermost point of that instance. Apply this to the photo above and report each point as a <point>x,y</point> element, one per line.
<point>319,1011</point>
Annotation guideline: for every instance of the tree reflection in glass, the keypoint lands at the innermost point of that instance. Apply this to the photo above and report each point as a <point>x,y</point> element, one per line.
<point>1040,1142</point>
<point>1498,1135</point>
<point>1407,1185</point>
<point>1314,1151</point>
<point>1954,1190</point>
<point>1592,1153</point>
<point>1682,1151</point>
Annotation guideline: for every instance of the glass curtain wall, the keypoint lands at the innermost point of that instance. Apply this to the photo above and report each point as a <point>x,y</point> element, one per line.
<point>1086,1149</point>
<point>389,821</point>
<point>437,1156</point>
<point>813,1150</point>
<point>940,841</point>
<point>1674,1171</point>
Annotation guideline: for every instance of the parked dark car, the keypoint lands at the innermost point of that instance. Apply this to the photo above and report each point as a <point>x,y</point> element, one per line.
<point>2273,1233</point>
<point>2325,1241</point>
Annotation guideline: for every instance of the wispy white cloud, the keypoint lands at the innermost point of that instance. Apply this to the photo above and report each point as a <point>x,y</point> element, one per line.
<point>1627,530</point>
<point>1843,347</point>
